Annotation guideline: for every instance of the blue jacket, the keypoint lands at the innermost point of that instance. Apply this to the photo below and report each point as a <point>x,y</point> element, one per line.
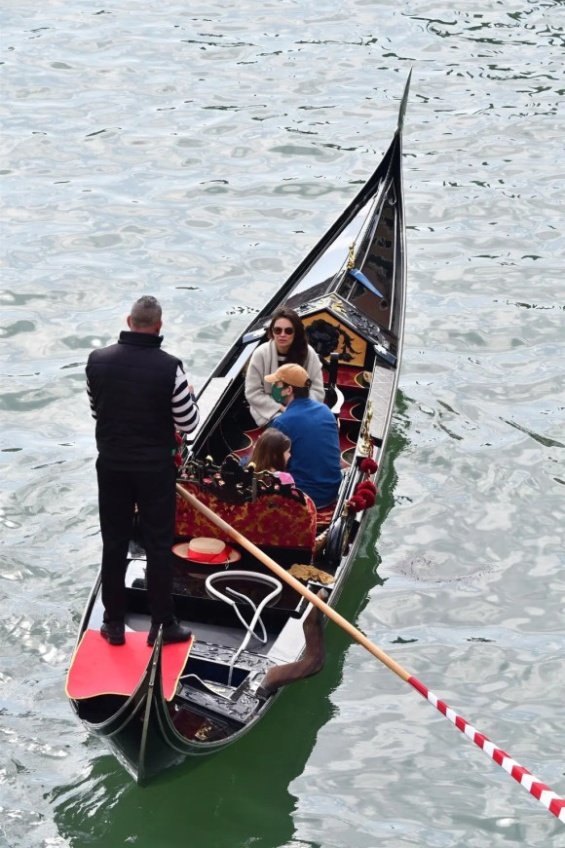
<point>315,454</point>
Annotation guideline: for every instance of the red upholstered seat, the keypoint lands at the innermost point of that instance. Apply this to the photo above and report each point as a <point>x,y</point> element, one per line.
<point>349,377</point>
<point>251,437</point>
<point>352,410</point>
<point>325,515</point>
<point>271,520</point>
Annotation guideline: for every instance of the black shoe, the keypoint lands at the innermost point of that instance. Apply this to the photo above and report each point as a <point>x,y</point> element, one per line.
<point>172,632</point>
<point>113,632</point>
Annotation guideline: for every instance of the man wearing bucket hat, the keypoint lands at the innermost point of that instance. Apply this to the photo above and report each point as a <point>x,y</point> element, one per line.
<point>139,395</point>
<point>315,461</point>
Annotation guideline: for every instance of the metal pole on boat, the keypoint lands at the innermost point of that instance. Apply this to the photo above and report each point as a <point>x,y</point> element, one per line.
<point>535,787</point>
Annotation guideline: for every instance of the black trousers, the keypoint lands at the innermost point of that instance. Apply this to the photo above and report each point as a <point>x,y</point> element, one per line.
<point>154,493</point>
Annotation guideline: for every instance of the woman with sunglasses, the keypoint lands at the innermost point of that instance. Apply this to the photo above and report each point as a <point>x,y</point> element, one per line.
<point>287,343</point>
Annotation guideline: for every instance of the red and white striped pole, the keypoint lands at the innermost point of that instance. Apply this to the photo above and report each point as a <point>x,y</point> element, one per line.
<point>535,787</point>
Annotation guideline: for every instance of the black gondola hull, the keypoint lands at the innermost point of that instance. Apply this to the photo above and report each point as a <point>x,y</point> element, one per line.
<point>351,284</point>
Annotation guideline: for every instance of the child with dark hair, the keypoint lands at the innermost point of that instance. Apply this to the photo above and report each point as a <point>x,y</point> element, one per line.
<point>271,453</point>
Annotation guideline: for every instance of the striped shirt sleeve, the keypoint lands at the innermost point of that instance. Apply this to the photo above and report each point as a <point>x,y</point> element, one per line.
<point>185,410</point>
<point>90,399</point>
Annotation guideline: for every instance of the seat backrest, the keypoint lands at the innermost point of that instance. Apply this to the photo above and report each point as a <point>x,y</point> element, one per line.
<point>273,520</point>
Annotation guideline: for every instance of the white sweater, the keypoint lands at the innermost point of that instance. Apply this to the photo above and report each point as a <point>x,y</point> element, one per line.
<point>265,360</point>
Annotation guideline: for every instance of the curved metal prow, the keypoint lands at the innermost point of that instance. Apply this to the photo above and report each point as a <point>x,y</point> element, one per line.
<point>155,667</point>
<point>402,110</point>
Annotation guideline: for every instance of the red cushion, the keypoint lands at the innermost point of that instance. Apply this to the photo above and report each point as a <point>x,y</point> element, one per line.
<point>349,377</point>
<point>251,437</point>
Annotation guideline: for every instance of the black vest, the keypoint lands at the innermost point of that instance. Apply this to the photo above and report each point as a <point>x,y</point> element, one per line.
<point>131,385</point>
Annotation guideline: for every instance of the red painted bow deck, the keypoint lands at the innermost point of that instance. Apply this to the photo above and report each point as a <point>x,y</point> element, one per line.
<point>98,668</point>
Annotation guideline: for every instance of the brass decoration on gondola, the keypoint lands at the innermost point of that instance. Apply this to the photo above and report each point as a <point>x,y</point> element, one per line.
<point>304,571</point>
<point>339,306</point>
<point>204,731</point>
<point>365,444</point>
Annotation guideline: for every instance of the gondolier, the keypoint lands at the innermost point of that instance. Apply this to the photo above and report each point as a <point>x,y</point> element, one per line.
<point>139,395</point>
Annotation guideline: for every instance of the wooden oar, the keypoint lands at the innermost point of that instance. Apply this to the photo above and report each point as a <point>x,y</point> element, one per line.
<point>535,787</point>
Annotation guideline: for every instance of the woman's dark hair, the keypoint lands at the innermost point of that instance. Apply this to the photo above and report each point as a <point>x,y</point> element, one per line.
<point>268,453</point>
<point>298,351</point>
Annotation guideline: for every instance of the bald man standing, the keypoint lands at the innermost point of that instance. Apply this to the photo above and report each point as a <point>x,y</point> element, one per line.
<point>139,395</point>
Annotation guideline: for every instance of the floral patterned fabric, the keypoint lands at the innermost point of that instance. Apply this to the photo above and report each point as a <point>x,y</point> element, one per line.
<point>272,520</point>
<point>324,516</point>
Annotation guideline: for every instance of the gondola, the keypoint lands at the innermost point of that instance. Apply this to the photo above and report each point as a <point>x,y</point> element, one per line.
<point>254,630</point>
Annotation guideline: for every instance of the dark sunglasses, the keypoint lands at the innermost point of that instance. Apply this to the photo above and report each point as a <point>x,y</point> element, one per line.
<point>285,331</point>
